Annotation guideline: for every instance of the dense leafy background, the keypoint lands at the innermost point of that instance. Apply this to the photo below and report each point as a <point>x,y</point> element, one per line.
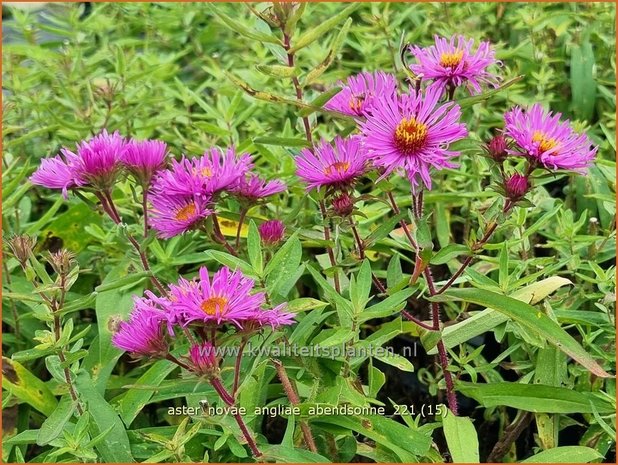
<point>163,71</point>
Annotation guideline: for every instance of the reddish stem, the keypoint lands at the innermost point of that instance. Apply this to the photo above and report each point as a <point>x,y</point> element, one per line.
<point>361,255</point>
<point>241,220</point>
<point>229,400</point>
<point>329,249</point>
<point>288,387</point>
<point>108,206</point>
<point>220,237</point>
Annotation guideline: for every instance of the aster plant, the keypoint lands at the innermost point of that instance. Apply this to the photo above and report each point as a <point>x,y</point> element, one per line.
<point>392,209</point>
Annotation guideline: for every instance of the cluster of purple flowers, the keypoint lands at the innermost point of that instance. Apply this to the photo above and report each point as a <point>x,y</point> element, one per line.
<point>411,132</point>
<point>182,195</point>
<point>98,162</point>
<point>225,300</point>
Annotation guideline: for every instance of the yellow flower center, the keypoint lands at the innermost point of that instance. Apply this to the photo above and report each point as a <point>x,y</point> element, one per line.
<point>545,143</point>
<point>186,213</point>
<point>410,135</point>
<point>356,103</point>
<point>451,59</point>
<point>339,167</point>
<point>212,304</point>
<point>206,172</point>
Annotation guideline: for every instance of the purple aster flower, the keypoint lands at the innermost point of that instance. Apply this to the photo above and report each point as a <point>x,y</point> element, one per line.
<point>452,63</point>
<point>226,298</point>
<point>174,215</point>
<point>97,162</point>
<point>271,231</point>
<point>206,175</point>
<point>56,173</point>
<point>541,136</point>
<point>359,94</point>
<point>144,333</point>
<point>143,158</point>
<point>337,167</point>
<point>412,132</point>
<point>252,188</point>
<point>203,358</point>
<point>274,318</point>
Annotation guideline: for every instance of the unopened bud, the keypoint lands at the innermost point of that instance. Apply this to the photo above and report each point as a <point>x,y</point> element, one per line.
<point>22,246</point>
<point>204,359</point>
<point>497,148</point>
<point>343,205</point>
<point>61,261</point>
<point>271,232</point>
<point>516,187</point>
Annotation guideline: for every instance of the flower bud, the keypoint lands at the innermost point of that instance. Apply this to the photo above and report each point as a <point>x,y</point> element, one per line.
<point>61,261</point>
<point>271,232</point>
<point>516,187</point>
<point>204,359</point>
<point>21,246</point>
<point>343,205</point>
<point>496,148</point>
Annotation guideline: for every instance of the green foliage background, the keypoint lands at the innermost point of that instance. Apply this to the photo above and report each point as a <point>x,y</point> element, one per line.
<point>163,71</point>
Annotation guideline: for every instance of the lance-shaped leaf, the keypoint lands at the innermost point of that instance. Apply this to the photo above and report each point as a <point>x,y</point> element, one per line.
<point>316,72</point>
<point>317,32</point>
<point>236,25</point>
<point>531,319</point>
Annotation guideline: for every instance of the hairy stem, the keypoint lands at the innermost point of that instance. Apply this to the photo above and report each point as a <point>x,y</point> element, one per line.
<point>243,342</point>
<point>229,400</point>
<point>220,237</point>
<point>361,255</point>
<point>145,210</point>
<point>511,433</point>
<point>329,249</point>
<point>290,391</point>
<point>241,220</point>
<point>477,246</point>
<point>108,206</point>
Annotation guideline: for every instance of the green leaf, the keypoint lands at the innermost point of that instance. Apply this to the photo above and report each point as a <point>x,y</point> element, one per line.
<point>376,380</point>
<point>54,424</point>
<point>384,229</point>
<point>317,32</point>
<point>277,70</point>
<point>397,361</point>
<point>316,72</point>
<point>304,304</point>
<point>229,260</point>
<point>534,397</point>
<point>565,454</point>
<point>389,306</point>
<point>583,84</point>
<point>115,445</point>
<point>283,264</point>
<point>135,399</point>
<point>394,274</point>
<point>254,248</point>
<point>461,438</point>
<point>287,454</point>
<point>319,101</point>
<point>236,25</point>
<point>21,383</point>
<point>360,287</point>
<point>488,319</point>
<point>386,432</point>
<point>446,254</point>
<point>282,141</point>
<point>469,101</point>
<point>531,319</point>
